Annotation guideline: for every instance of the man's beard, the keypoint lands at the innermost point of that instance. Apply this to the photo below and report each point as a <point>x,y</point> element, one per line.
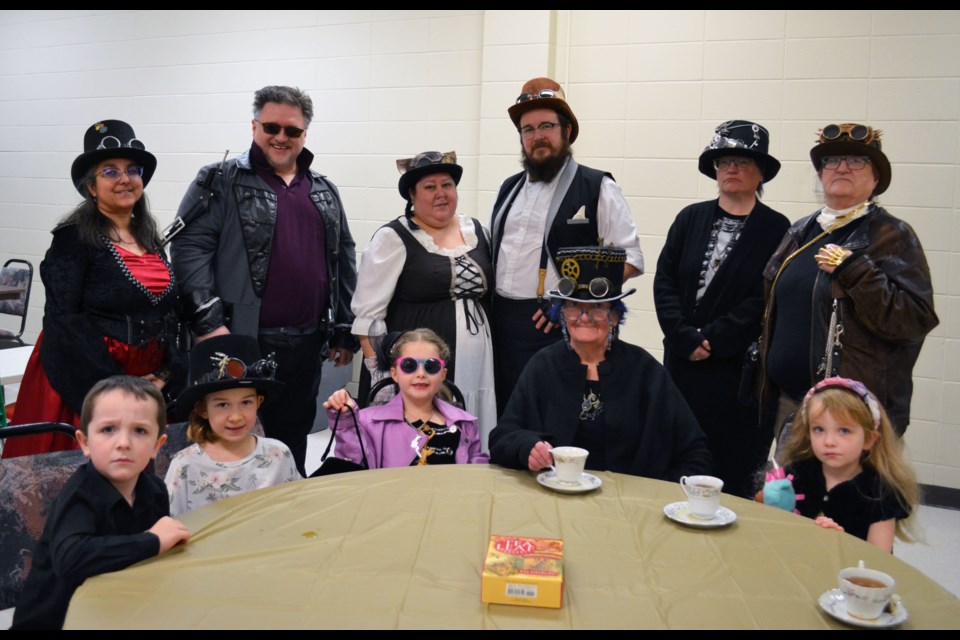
<point>546,170</point>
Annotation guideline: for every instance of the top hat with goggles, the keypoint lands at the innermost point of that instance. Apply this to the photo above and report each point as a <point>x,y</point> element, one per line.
<point>226,362</point>
<point>852,139</point>
<point>590,274</point>
<point>109,139</point>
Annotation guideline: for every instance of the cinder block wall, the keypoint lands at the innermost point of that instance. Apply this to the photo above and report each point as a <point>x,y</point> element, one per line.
<point>647,86</point>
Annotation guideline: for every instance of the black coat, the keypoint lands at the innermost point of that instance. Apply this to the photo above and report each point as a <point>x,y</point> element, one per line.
<point>729,317</point>
<point>730,311</point>
<point>649,432</point>
<point>91,294</point>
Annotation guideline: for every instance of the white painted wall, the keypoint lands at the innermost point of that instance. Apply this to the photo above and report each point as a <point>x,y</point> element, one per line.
<point>648,87</point>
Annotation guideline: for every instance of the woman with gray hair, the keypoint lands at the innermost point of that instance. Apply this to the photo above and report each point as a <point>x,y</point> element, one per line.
<point>111,297</point>
<point>848,290</point>
<point>708,292</point>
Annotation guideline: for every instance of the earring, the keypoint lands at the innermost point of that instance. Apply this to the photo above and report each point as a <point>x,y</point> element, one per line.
<point>566,335</point>
<point>611,336</point>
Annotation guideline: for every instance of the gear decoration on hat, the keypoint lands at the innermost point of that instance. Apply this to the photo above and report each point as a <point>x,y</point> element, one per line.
<point>570,268</point>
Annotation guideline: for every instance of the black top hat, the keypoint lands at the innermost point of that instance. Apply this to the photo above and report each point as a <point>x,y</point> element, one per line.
<point>543,93</point>
<point>591,274</point>
<point>424,164</point>
<point>226,362</point>
<point>740,138</point>
<point>851,139</point>
<point>111,139</point>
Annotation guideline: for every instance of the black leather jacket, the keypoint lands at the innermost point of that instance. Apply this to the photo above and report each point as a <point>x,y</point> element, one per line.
<point>885,302</point>
<point>221,258</point>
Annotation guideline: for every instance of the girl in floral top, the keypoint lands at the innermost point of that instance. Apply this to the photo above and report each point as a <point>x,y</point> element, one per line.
<point>229,382</point>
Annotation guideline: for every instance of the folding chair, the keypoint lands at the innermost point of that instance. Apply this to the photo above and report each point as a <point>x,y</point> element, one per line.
<point>17,277</point>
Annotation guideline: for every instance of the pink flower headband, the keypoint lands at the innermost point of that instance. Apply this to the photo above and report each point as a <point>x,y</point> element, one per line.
<point>855,386</point>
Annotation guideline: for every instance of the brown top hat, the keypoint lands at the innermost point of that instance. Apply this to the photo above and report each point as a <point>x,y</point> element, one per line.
<point>543,93</point>
<point>852,139</point>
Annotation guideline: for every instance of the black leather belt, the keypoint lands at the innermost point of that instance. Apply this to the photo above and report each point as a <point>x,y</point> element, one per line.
<point>136,331</point>
<point>288,331</point>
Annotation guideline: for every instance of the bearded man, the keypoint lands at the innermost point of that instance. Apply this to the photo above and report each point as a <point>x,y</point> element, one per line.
<point>554,203</point>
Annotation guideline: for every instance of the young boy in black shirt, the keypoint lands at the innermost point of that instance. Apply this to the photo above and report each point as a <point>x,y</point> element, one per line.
<point>110,514</point>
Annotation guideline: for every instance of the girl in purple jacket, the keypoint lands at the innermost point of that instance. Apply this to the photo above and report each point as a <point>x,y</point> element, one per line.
<point>416,427</point>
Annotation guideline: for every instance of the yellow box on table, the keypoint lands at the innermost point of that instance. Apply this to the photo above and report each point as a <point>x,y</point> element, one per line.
<point>523,571</point>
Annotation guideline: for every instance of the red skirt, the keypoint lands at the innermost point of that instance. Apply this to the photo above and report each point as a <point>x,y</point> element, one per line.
<point>38,401</point>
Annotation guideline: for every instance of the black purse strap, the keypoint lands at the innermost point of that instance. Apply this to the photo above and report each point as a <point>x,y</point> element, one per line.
<point>333,436</point>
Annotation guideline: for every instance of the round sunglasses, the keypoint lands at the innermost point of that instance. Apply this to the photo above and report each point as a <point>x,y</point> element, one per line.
<point>431,366</point>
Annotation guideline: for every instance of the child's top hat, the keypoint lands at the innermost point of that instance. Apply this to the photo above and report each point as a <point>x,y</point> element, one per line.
<point>226,362</point>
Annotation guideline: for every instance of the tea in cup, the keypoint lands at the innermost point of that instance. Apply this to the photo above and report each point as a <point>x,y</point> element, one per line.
<point>703,495</point>
<point>866,592</point>
<point>568,463</point>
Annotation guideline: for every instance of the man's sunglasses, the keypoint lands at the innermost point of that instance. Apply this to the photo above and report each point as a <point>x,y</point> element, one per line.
<point>431,366</point>
<point>272,128</point>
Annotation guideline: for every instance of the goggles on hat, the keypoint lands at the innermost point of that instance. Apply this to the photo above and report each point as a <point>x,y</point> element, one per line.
<point>113,142</point>
<point>543,93</point>
<point>856,132</point>
<point>598,287</point>
<point>425,159</point>
<point>228,368</point>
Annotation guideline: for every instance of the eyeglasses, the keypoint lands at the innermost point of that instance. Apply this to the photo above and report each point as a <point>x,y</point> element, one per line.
<point>272,128</point>
<point>854,163</point>
<point>543,93</point>
<point>112,142</point>
<point>723,164</point>
<point>544,128</point>
<point>112,173</point>
<point>595,314</point>
<point>857,132</point>
<point>598,287</point>
<point>431,366</point>
<point>228,368</point>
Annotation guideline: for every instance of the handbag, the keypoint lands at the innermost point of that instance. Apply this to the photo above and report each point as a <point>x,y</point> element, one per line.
<point>748,374</point>
<point>330,466</point>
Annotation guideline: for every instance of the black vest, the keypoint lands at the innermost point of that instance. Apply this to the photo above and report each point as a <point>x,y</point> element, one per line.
<point>584,191</point>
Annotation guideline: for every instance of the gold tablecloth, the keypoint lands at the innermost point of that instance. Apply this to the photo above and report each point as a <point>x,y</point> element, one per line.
<point>404,548</point>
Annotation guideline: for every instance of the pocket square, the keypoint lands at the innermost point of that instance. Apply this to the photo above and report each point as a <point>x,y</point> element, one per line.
<point>580,217</point>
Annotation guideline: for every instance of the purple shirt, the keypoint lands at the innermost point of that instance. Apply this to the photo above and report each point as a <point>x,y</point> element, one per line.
<point>297,290</point>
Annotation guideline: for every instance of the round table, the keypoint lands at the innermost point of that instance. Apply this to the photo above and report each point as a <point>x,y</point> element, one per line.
<point>404,548</point>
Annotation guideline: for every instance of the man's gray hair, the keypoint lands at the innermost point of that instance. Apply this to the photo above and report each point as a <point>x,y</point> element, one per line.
<point>284,95</point>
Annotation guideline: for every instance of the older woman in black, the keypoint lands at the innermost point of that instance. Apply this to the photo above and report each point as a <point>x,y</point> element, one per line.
<point>708,291</point>
<point>111,301</point>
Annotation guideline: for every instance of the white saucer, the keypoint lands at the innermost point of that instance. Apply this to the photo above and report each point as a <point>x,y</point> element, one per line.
<point>833,602</point>
<point>587,482</point>
<point>678,512</point>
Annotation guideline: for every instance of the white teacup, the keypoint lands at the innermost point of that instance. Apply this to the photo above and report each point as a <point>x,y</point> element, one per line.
<point>568,463</point>
<point>866,592</point>
<point>703,495</point>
